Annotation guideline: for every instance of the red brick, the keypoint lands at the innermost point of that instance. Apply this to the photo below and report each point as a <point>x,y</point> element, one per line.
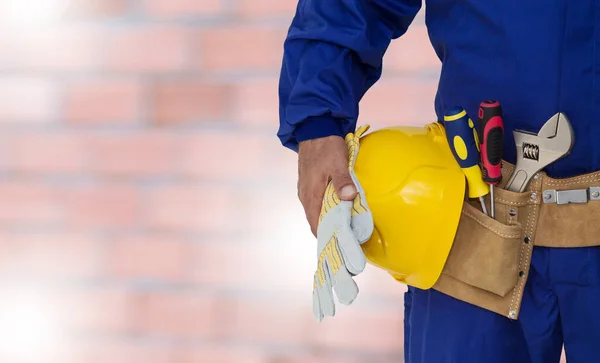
<point>140,153</point>
<point>399,101</point>
<point>381,330</point>
<point>162,257</point>
<point>143,50</point>
<point>26,99</point>
<point>223,155</point>
<point>174,315</point>
<point>226,354</point>
<point>376,283</point>
<point>271,321</point>
<point>274,213</point>
<point>30,203</point>
<point>189,208</point>
<point>216,263</point>
<point>283,162</point>
<point>284,168</point>
<point>175,8</point>
<point>285,165</point>
<point>185,101</point>
<point>114,100</point>
<point>255,49</point>
<point>57,48</point>
<point>290,322</point>
<point>324,357</point>
<point>45,152</point>
<point>97,310</point>
<point>123,351</point>
<point>51,255</point>
<point>412,52</point>
<point>104,206</point>
<point>257,103</point>
<point>220,155</point>
<point>96,8</point>
<point>253,8</point>
<point>273,210</point>
<point>7,153</point>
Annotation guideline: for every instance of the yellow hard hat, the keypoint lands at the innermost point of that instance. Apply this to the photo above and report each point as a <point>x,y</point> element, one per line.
<point>415,189</point>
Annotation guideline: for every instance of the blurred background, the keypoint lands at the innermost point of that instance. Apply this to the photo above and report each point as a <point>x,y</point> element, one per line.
<point>148,212</point>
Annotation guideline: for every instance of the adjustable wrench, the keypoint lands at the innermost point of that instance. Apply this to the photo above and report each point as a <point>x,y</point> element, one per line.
<point>535,152</point>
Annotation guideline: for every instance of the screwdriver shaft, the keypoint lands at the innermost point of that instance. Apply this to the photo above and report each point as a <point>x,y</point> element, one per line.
<point>483,207</point>
<point>493,202</point>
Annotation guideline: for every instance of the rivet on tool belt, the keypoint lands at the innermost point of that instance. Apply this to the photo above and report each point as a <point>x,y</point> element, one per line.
<point>571,196</point>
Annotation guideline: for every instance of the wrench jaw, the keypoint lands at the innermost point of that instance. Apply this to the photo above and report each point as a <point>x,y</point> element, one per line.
<point>550,128</point>
<point>557,126</point>
<point>560,141</point>
<point>564,133</point>
<point>535,152</point>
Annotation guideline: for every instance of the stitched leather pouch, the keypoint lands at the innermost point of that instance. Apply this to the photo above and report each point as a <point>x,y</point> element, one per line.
<point>485,252</point>
<point>486,262</point>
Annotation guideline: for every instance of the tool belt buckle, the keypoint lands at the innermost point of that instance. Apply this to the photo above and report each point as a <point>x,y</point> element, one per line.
<point>562,197</point>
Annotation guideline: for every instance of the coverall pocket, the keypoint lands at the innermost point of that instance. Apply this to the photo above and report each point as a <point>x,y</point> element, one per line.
<point>485,253</point>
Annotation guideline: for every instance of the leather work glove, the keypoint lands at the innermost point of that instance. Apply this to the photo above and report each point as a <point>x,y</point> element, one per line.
<point>343,227</point>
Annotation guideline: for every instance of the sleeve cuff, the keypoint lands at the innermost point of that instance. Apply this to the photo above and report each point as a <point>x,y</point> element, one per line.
<point>317,127</point>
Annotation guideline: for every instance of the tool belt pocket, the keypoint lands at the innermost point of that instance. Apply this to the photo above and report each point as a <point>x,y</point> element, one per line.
<point>489,260</point>
<point>485,252</point>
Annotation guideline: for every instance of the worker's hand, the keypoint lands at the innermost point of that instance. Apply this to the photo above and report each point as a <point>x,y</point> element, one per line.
<point>343,226</point>
<point>319,162</point>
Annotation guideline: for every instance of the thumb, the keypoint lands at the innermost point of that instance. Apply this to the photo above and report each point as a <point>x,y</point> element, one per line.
<point>343,184</point>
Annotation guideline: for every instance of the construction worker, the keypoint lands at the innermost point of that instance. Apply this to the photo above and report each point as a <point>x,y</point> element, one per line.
<point>537,58</point>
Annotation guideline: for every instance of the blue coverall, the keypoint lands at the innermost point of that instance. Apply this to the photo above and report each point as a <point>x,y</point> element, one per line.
<point>537,58</point>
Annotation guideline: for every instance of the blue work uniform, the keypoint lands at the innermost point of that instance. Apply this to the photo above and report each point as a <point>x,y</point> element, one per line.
<point>535,57</point>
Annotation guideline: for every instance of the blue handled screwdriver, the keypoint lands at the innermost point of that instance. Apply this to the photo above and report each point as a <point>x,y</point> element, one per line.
<point>464,143</point>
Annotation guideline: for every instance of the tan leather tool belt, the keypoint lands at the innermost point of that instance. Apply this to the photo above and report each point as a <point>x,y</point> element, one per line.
<point>490,258</point>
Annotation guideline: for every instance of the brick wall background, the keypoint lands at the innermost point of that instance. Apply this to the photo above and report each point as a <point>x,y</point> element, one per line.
<point>148,212</point>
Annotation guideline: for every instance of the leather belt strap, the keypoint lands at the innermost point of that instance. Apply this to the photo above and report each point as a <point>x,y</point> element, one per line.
<point>566,211</point>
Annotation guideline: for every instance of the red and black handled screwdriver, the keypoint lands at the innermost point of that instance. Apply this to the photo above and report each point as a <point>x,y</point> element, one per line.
<point>491,136</point>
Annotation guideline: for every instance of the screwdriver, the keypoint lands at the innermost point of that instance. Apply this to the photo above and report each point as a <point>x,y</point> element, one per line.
<point>464,143</point>
<point>491,134</point>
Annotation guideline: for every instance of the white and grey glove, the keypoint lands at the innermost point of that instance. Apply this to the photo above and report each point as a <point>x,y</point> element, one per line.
<point>343,227</point>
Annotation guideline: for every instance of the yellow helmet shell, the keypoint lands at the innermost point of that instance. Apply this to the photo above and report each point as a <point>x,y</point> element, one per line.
<point>415,190</point>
